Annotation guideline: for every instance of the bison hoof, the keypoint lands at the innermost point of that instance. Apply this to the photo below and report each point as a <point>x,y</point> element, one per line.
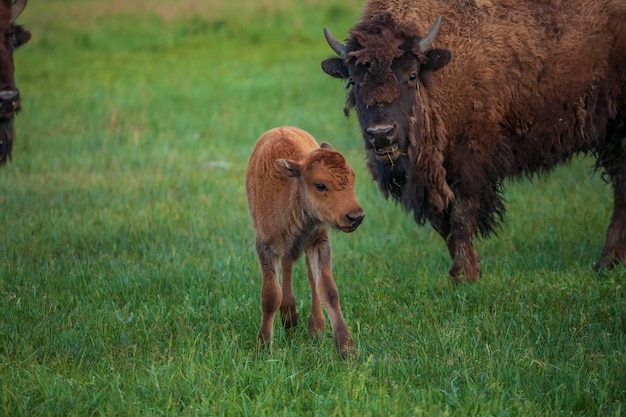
<point>606,264</point>
<point>458,275</point>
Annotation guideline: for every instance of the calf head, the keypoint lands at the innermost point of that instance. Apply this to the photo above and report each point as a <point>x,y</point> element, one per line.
<point>327,187</point>
<point>385,62</point>
<point>11,37</point>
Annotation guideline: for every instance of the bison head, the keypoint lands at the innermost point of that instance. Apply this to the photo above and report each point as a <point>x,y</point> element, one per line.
<point>385,62</point>
<point>11,37</point>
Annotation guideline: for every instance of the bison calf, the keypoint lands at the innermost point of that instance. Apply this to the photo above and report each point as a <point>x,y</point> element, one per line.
<point>296,189</point>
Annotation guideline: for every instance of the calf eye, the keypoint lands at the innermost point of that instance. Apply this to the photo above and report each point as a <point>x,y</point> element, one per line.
<point>320,187</point>
<point>413,76</point>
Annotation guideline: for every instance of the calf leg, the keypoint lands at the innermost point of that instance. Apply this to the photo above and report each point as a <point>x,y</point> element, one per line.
<point>288,311</point>
<point>317,324</point>
<point>318,259</point>
<point>271,294</point>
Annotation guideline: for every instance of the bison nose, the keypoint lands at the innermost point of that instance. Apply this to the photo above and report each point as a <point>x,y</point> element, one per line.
<point>355,218</point>
<point>380,136</point>
<point>9,101</point>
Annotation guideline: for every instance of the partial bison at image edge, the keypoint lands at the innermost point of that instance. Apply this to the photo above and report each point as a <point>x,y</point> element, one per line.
<point>296,190</point>
<point>13,36</point>
<point>453,97</point>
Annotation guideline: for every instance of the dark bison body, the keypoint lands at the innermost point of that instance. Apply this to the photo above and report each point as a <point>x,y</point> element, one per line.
<point>11,37</point>
<point>449,107</point>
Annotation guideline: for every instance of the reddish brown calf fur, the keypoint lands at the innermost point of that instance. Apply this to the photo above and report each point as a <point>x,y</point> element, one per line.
<point>296,189</point>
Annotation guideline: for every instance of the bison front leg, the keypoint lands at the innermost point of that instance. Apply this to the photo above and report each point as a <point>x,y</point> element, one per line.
<point>465,264</point>
<point>458,238</point>
<point>324,291</point>
<point>288,311</point>
<point>271,293</point>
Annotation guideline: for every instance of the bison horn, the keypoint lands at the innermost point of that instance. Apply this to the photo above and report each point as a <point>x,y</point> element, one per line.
<point>17,8</point>
<point>427,41</point>
<point>335,45</point>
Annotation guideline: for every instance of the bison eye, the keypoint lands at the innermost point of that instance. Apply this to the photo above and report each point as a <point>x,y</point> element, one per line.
<point>350,83</point>
<point>320,187</point>
<point>413,76</point>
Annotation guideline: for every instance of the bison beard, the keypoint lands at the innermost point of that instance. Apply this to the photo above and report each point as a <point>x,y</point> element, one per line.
<point>6,140</point>
<point>510,90</point>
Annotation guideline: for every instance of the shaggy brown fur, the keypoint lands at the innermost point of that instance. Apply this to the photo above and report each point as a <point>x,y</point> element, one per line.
<point>509,88</point>
<point>296,189</point>
<point>11,37</point>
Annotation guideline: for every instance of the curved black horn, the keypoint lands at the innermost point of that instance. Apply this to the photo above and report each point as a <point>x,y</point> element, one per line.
<point>17,8</point>
<point>427,41</point>
<point>335,45</point>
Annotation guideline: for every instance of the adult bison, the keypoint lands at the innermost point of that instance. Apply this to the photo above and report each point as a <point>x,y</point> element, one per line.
<point>11,37</point>
<point>494,89</point>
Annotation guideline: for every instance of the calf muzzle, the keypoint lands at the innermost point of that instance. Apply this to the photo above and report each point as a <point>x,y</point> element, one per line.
<point>354,219</point>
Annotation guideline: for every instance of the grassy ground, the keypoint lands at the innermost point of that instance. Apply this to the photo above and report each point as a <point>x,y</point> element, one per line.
<point>129,283</point>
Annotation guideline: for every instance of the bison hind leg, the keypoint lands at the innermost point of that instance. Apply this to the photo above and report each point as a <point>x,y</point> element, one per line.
<point>613,160</point>
<point>614,252</point>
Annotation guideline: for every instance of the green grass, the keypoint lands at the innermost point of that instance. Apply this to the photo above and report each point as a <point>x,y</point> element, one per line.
<point>128,279</point>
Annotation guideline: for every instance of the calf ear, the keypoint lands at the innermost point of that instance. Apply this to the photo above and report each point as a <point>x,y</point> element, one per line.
<point>326,145</point>
<point>335,68</point>
<point>436,59</point>
<point>287,168</point>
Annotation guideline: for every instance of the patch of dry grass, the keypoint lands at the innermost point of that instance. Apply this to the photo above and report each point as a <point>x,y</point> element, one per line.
<point>87,12</point>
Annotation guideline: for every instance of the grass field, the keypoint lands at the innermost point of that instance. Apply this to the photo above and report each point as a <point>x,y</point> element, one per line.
<point>129,285</point>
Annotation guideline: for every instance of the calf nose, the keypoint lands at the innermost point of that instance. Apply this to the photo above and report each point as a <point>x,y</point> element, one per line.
<point>355,218</point>
<point>9,101</point>
<point>380,136</point>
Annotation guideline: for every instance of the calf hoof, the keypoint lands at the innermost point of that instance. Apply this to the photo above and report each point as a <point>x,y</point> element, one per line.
<point>345,347</point>
<point>289,317</point>
<point>316,327</point>
<point>263,343</point>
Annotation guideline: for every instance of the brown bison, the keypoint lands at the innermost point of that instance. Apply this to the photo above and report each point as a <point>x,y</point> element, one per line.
<point>13,36</point>
<point>296,189</point>
<point>455,96</point>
